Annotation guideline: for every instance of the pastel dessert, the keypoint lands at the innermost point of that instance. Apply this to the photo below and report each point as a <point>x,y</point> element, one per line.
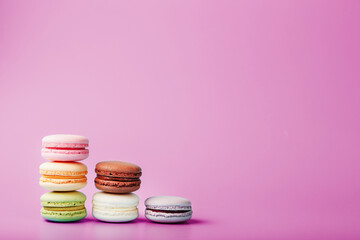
<point>117,177</point>
<point>64,147</point>
<point>63,206</point>
<point>63,176</point>
<point>110,207</point>
<point>168,209</point>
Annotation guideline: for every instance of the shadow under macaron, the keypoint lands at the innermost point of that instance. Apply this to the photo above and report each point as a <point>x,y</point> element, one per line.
<point>138,220</point>
<point>81,221</point>
<point>188,222</point>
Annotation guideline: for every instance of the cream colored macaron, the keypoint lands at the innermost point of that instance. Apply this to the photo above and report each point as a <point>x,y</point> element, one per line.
<point>111,207</point>
<point>63,176</point>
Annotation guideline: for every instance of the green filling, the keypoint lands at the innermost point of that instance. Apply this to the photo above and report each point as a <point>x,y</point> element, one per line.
<point>62,204</point>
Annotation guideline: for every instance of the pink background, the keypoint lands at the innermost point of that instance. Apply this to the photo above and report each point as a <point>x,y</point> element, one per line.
<point>248,108</point>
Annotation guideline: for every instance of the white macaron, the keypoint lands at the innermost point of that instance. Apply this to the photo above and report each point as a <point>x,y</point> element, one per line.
<point>111,207</point>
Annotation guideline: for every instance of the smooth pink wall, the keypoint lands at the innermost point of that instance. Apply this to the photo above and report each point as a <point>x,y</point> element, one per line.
<point>248,108</point>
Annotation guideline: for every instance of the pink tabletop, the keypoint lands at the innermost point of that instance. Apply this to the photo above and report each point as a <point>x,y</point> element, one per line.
<point>250,109</point>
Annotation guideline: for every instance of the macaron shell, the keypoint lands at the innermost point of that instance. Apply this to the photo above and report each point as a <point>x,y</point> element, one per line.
<point>116,200</point>
<point>162,217</point>
<point>115,216</point>
<point>52,199</point>
<point>168,203</point>
<point>64,154</point>
<point>115,167</point>
<point>63,168</point>
<point>120,187</point>
<point>63,216</point>
<point>65,141</point>
<point>62,186</point>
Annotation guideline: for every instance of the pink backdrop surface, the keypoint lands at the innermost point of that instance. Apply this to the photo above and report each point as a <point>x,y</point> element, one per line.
<point>250,109</point>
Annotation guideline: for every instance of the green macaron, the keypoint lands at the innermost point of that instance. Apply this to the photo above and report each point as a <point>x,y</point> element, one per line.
<point>63,206</point>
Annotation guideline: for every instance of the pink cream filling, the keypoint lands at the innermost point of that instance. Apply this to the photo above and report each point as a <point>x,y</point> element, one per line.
<point>57,148</point>
<point>65,150</point>
<point>64,145</point>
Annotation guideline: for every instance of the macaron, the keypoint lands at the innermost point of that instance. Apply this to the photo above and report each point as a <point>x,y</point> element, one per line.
<point>63,176</point>
<point>64,147</point>
<point>117,177</point>
<point>168,209</point>
<point>63,206</point>
<point>110,207</point>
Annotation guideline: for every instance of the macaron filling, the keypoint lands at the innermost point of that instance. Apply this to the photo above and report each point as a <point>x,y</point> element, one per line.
<point>58,148</point>
<point>119,183</point>
<point>60,145</point>
<point>62,204</point>
<point>62,179</point>
<point>62,173</point>
<point>169,208</point>
<point>168,211</point>
<point>65,150</point>
<point>75,208</point>
<point>65,146</point>
<point>131,175</point>
<point>118,179</point>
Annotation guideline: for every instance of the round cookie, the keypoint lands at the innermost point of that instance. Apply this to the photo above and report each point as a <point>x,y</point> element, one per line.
<point>64,147</point>
<point>168,209</point>
<point>117,177</point>
<point>63,206</point>
<point>63,176</point>
<point>110,207</point>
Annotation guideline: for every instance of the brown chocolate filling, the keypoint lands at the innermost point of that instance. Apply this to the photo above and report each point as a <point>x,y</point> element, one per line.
<point>117,179</point>
<point>118,184</point>
<point>168,211</point>
<point>117,174</point>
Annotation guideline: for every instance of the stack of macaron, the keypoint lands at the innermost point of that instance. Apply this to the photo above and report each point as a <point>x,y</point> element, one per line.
<point>116,202</point>
<point>62,175</point>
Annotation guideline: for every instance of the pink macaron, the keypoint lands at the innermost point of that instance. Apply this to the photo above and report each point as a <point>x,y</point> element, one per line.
<point>64,147</point>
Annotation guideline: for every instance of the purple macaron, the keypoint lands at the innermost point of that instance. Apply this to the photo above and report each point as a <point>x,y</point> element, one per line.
<point>168,209</point>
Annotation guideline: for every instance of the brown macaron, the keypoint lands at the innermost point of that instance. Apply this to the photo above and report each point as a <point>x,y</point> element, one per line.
<point>117,177</point>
